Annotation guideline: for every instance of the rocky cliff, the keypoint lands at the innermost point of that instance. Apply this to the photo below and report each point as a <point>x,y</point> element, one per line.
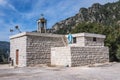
<point>108,14</point>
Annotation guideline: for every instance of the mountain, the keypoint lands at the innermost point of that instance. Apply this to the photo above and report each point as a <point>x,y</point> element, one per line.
<point>4,45</point>
<point>108,14</point>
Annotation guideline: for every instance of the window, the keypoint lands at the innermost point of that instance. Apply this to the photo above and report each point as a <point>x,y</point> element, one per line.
<point>74,39</point>
<point>94,38</point>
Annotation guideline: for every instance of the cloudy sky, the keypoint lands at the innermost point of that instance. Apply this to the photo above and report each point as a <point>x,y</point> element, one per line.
<point>25,13</point>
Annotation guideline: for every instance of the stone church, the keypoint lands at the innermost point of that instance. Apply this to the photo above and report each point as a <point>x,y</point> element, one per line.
<point>33,48</point>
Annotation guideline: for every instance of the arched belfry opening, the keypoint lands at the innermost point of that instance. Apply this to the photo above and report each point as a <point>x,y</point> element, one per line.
<point>42,22</point>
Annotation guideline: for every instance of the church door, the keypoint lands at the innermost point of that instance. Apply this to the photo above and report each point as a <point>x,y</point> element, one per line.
<point>17,57</point>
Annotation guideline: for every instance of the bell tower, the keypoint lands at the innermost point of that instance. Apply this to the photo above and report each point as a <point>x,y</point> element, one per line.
<point>41,24</point>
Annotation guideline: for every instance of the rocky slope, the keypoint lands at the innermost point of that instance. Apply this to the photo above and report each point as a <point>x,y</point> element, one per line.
<point>108,14</point>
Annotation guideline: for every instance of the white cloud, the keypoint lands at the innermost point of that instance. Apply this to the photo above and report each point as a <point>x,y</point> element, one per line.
<point>5,4</point>
<point>2,2</point>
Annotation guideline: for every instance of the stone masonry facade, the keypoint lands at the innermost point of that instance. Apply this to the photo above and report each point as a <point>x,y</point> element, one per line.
<point>81,56</point>
<point>39,49</point>
<point>89,41</point>
<point>88,49</point>
<point>61,56</point>
<point>32,48</point>
<point>18,43</point>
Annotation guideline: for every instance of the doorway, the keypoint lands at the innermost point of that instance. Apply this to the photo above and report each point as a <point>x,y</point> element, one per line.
<point>17,57</point>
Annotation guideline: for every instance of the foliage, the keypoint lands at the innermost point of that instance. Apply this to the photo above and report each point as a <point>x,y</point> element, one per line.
<point>4,51</point>
<point>118,52</point>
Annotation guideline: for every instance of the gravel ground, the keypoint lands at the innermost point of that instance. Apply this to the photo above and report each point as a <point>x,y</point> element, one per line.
<point>107,71</point>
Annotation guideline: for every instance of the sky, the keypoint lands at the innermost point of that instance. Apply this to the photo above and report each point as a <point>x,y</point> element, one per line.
<point>25,13</point>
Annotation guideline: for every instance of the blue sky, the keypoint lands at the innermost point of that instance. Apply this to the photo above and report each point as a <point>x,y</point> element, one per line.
<point>25,13</point>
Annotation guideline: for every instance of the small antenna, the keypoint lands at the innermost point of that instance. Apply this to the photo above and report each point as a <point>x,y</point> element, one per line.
<point>11,30</point>
<point>16,28</point>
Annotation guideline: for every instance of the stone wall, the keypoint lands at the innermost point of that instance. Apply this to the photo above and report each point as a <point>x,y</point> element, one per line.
<point>80,41</point>
<point>35,48</point>
<point>39,48</point>
<point>61,56</point>
<point>81,56</point>
<point>89,41</point>
<point>20,45</point>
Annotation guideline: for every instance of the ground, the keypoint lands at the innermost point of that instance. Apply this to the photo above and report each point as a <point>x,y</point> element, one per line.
<point>109,71</point>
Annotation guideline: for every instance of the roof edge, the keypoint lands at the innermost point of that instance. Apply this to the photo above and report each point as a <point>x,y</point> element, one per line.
<point>34,34</point>
<point>88,35</point>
